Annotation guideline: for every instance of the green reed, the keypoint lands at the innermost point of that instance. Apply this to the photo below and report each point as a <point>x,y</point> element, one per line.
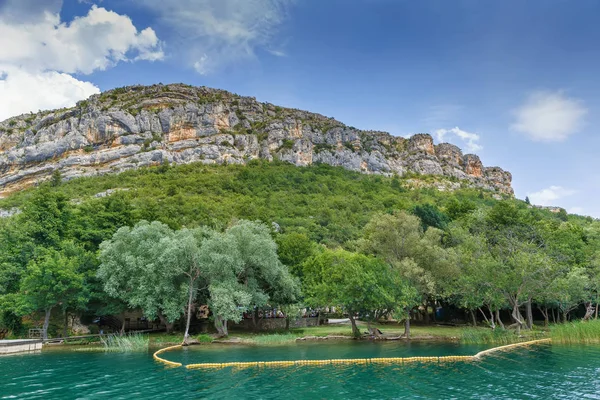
<point>125,343</point>
<point>576,332</point>
<point>488,336</point>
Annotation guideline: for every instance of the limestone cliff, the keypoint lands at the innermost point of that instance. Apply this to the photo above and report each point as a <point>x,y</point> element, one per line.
<point>146,125</point>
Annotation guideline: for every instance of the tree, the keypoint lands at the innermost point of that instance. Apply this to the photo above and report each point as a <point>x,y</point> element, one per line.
<point>52,280</point>
<point>184,251</point>
<point>416,255</point>
<point>571,291</point>
<point>476,286</point>
<point>47,217</point>
<point>293,249</point>
<point>136,268</point>
<point>527,200</point>
<point>456,209</point>
<point>358,283</point>
<point>518,246</point>
<point>56,178</point>
<point>243,272</point>
<point>430,215</point>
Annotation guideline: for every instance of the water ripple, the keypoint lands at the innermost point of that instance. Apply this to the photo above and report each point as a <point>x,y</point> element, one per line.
<point>557,372</point>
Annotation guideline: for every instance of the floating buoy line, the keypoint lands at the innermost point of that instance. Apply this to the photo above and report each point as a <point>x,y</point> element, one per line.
<point>385,360</point>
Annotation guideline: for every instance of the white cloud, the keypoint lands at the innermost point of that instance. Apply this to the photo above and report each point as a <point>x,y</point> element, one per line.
<point>471,139</point>
<point>22,92</point>
<point>93,42</point>
<point>549,117</point>
<point>39,51</point>
<point>211,34</point>
<point>548,196</point>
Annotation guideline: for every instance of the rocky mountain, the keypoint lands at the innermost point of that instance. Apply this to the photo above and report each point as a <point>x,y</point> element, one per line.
<point>140,126</point>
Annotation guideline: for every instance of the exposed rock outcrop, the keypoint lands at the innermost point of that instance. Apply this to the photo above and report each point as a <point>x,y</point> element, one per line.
<point>139,126</point>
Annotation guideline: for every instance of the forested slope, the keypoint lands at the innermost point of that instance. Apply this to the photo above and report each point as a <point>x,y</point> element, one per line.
<point>467,248</point>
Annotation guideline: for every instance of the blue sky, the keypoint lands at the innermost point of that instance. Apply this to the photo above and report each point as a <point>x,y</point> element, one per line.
<point>513,81</point>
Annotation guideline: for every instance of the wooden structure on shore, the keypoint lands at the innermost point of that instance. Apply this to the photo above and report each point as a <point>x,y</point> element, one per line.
<point>20,346</point>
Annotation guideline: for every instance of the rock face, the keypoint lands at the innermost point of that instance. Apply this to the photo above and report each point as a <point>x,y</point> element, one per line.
<point>140,126</point>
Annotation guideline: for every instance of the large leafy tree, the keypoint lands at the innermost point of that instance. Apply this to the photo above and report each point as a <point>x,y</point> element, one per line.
<point>243,271</point>
<point>52,279</point>
<point>417,256</point>
<point>137,268</point>
<point>476,286</point>
<point>293,249</point>
<point>360,284</point>
<point>163,271</point>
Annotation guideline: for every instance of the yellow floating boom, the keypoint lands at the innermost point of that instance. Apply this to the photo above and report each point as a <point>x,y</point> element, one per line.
<point>386,360</point>
<point>167,362</point>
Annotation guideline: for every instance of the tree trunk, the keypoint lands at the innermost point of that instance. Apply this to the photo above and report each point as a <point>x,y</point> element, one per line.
<point>529,314</point>
<point>168,325</point>
<point>589,311</point>
<point>596,317</point>
<point>434,309</point>
<point>426,312</point>
<point>516,314</point>
<point>221,326</point>
<point>46,323</point>
<point>186,335</point>
<point>490,320</point>
<point>66,324</point>
<point>473,318</point>
<point>407,323</point>
<point>355,330</point>
<point>553,315</point>
<point>498,320</point>
<point>255,319</point>
<point>484,316</point>
<point>565,316</point>
<point>544,311</point>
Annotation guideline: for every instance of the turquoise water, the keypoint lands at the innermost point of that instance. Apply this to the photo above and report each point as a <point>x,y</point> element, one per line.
<point>541,372</point>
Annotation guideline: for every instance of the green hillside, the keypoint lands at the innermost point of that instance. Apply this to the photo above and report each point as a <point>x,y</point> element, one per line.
<point>330,204</point>
<point>467,248</point>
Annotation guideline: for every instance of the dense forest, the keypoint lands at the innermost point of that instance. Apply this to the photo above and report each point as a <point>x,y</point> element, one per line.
<point>274,235</point>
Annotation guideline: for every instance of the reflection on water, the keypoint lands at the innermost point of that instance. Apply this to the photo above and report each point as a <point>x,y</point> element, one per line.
<point>544,372</point>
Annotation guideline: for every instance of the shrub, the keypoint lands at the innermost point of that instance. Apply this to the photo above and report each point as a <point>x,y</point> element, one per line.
<point>287,144</point>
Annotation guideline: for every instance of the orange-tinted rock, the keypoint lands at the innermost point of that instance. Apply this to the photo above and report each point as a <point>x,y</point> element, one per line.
<point>181,132</point>
<point>473,165</point>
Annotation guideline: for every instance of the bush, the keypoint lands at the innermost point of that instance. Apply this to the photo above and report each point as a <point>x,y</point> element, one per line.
<point>287,144</point>
<point>204,338</point>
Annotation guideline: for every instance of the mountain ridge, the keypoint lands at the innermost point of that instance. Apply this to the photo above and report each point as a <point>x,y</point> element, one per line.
<point>136,126</point>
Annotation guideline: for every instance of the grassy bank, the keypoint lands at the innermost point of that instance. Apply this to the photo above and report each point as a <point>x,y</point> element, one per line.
<point>587,332</point>
<point>570,333</point>
<point>338,331</point>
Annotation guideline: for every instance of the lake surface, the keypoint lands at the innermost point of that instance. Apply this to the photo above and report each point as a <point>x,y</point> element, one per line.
<point>540,372</point>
